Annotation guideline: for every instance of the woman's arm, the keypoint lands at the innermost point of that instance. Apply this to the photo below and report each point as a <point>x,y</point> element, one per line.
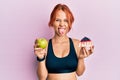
<point>82,52</point>
<point>81,67</point>
<point>42,71</point>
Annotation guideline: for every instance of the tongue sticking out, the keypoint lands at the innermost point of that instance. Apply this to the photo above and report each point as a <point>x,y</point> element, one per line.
<point>61,31</point>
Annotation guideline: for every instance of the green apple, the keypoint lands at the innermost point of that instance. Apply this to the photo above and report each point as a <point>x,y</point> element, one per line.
<point>41,43</point>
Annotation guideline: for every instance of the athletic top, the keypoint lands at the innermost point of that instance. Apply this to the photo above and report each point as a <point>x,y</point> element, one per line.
<point>66,64</point>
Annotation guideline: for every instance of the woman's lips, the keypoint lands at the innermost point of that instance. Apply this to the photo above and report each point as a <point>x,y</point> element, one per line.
<point>61,30</point>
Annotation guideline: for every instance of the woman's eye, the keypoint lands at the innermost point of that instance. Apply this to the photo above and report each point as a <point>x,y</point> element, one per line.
<point>65,20</point>
<point>57,19</point>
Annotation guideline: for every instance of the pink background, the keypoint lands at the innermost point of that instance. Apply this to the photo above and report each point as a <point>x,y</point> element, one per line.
<point>22,21</point>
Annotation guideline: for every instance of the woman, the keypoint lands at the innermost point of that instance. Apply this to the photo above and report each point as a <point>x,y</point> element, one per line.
<point>64,57</point>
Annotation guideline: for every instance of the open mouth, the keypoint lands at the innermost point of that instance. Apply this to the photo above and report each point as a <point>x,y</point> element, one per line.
<point>61,30</point>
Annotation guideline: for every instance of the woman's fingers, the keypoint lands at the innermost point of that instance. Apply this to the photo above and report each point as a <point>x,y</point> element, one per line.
<point>86,44</point>
<point>40,50</point>
<point>91,49</point>
<point>83,53</point>
<point>86,49</point>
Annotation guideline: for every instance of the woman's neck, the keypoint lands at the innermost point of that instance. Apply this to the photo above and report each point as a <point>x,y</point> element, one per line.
<point>60,38</point>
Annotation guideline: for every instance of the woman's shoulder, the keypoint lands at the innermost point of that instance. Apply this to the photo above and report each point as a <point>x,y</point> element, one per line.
<point>75,41</point>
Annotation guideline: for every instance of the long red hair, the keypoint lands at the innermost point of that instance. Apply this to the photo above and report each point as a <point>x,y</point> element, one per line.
<point>64,8</point>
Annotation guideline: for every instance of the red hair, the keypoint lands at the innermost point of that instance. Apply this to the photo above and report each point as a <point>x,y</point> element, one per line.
<point>64,8</point>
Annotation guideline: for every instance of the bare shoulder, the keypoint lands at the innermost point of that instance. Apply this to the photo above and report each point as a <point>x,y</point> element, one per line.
<point>76,43</point>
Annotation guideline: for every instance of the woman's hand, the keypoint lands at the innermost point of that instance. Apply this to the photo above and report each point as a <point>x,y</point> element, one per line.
<point>87,48</point>
<point>39,52</point>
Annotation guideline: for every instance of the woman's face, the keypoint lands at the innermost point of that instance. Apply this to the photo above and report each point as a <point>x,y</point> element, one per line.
<point>61,23</point>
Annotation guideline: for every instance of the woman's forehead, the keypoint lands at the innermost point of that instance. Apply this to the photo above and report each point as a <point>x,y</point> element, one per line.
<point>61,14</point>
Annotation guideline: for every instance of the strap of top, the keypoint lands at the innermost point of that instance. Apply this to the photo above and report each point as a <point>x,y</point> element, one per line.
<point>72,49</point>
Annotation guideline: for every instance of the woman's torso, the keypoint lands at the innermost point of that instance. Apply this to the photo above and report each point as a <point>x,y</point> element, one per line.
<point>62,64</point>
<point>64,76</point>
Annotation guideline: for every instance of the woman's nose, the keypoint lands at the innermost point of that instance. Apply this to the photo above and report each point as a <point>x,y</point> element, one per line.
<point>61,23</point>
